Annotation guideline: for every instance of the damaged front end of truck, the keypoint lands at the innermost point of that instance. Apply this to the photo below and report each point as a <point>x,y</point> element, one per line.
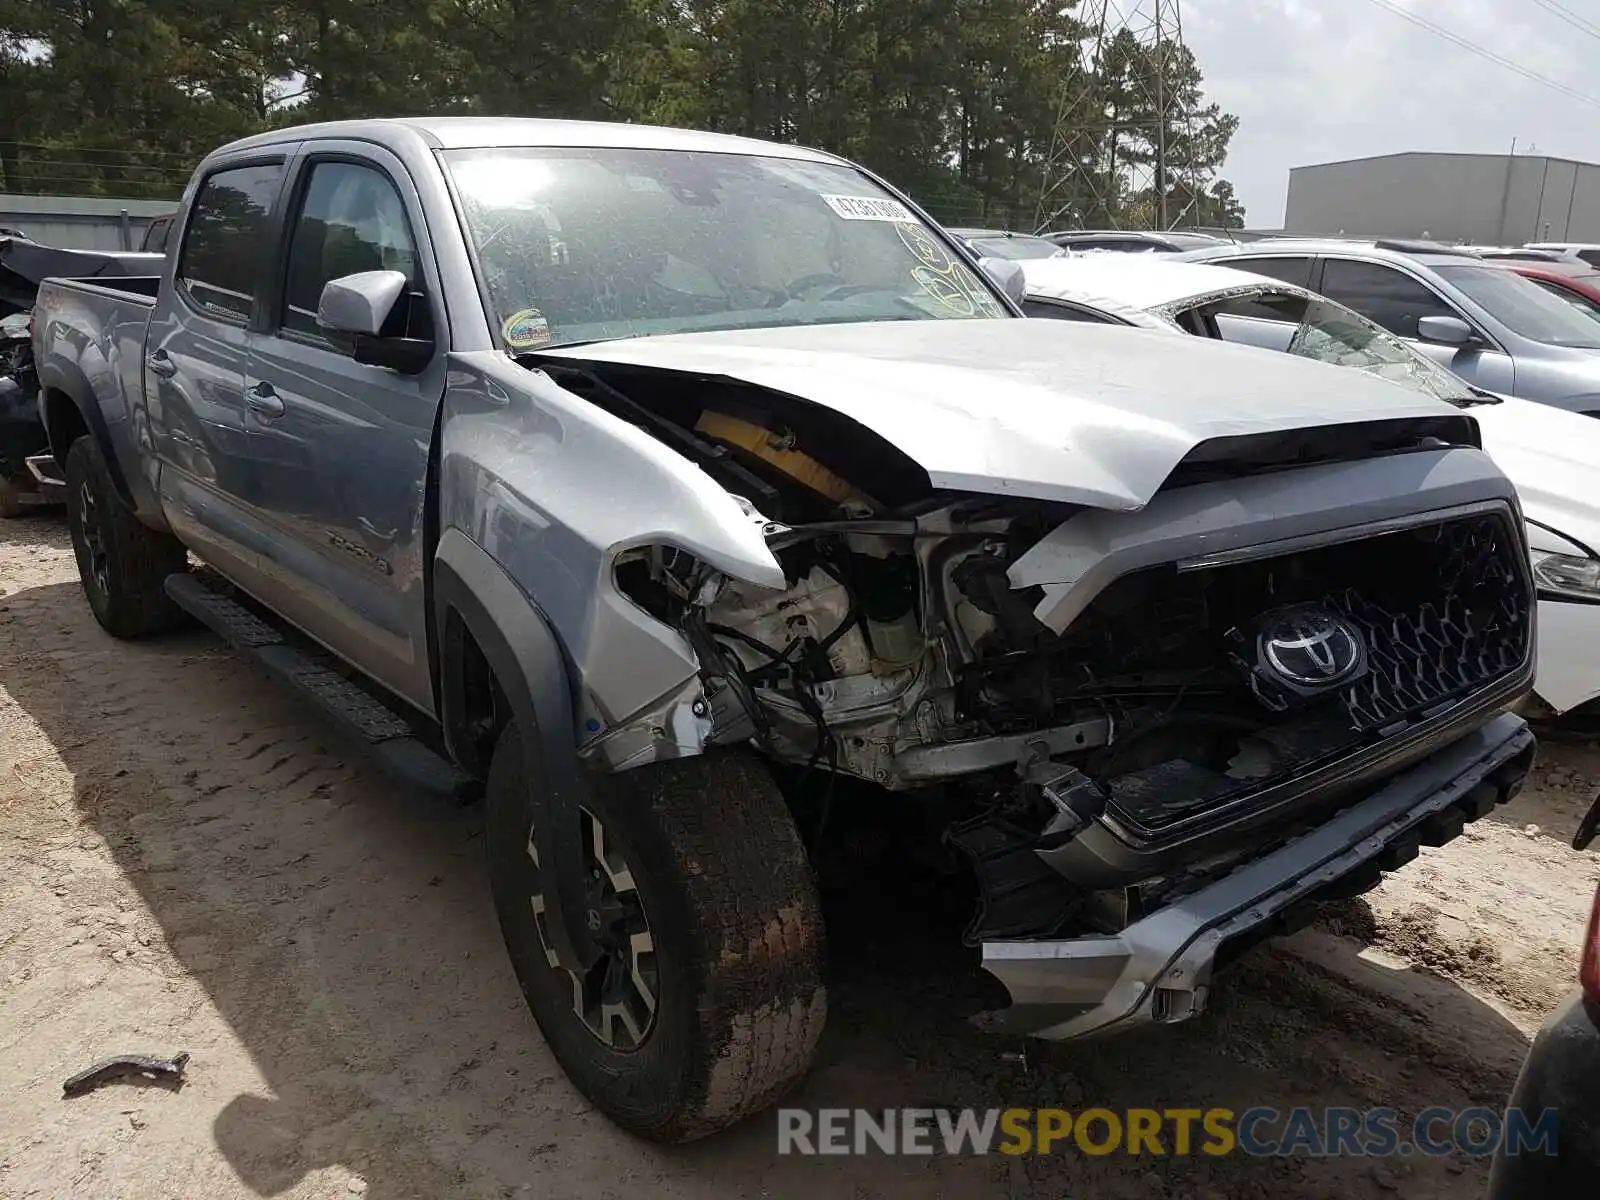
<point>1164,721</point>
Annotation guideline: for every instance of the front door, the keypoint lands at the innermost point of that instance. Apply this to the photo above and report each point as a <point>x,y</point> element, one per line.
<point>194,369</point>
<point>1397,301</point>
<point>341,448</point>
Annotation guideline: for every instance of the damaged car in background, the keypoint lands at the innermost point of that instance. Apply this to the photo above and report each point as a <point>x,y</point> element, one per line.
<point>681,535</point>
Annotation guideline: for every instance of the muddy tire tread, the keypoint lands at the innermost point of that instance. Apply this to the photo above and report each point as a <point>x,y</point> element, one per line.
<point>730,893</point>
<point>752,949</point>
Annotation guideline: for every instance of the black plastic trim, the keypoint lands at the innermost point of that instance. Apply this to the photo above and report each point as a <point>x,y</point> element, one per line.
<point>527,659</point>
<point>68,380</point>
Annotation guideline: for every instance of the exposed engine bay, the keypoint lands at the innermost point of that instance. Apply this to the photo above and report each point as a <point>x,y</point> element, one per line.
<point>903,654</point>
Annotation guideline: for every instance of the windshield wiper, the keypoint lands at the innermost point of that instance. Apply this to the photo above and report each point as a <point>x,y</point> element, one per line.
<point>1476,397</point>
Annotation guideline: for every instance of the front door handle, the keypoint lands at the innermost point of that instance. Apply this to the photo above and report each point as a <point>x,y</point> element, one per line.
<point>160,363</point>
<point>263,401</point>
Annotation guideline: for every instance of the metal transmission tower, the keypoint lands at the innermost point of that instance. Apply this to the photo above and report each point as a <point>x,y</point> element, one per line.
<point>1088,179</point>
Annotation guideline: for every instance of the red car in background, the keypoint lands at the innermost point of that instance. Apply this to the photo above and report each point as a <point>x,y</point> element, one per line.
<point>1573,280</point>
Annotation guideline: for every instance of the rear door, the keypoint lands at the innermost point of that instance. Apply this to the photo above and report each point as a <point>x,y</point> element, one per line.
<point>341,448</point>
<point>1398,300</point>
<point>195,361</point>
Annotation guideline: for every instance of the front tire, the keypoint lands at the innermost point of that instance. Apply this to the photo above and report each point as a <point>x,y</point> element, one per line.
<point>122,562</point>
<point>709,1003</point>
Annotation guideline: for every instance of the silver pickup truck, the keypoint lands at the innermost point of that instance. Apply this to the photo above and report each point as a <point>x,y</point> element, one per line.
<point>683,492</point>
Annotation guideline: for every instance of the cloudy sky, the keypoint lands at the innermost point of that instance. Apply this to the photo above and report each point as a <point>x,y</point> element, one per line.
<point>1320,80</point>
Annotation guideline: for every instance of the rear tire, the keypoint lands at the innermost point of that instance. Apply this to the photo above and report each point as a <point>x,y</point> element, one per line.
<point>121,561</point>
<point>719,955</point>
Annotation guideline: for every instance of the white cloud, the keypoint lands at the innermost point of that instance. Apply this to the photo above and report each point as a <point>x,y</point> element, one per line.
<point>1320,80</point>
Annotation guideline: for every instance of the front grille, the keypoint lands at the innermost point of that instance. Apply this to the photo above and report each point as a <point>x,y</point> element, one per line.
<point>1444,608</point>
<point>1439,651</point>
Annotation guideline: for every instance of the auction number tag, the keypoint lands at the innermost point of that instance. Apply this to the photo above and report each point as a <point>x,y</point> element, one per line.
<point>868,208</point>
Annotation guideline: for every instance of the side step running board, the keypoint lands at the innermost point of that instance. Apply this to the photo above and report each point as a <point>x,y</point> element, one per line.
<point>47,475</point>
<point>369,723</point>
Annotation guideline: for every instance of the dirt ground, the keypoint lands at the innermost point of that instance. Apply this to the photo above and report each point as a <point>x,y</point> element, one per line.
<point>191,864</point>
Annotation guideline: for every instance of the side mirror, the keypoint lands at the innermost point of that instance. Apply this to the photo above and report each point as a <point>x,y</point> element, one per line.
<point>1007,276</point>
<point>1447,331</point>
<point>362,306</point>
<point>360,303</point>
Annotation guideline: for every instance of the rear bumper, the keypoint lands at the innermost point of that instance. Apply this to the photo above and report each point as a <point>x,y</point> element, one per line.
<point>1159,969</point>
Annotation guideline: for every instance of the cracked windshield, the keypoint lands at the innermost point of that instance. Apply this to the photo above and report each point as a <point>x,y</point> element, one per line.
<point>583,245</point>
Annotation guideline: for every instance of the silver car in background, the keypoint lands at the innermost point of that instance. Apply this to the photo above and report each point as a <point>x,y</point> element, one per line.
<point>1493,328</point>
<point>1135,241</point>
<point>1006,244</point>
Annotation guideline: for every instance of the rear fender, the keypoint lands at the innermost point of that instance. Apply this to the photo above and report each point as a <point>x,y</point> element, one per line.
<point>63,382</point>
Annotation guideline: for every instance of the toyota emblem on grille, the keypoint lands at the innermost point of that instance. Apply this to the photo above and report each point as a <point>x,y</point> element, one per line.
<point>1311,647</point>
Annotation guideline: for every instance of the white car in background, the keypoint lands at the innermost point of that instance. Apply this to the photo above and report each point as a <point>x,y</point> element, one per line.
<point>1551,455</point>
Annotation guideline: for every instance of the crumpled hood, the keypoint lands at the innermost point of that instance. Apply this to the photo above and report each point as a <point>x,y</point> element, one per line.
<point>1052,410</point>
<point>1552,457</point>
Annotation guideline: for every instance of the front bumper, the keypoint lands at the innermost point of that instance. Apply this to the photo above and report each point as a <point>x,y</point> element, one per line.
<point>1159,968</point>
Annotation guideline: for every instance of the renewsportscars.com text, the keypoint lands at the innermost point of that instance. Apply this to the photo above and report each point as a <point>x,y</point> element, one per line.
<point>1153,1132</point>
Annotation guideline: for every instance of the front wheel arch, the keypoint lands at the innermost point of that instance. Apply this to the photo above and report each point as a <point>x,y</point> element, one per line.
<point>472,594</point>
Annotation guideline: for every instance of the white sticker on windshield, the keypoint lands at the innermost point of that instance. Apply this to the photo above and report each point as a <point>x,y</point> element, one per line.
<point>868,208</point>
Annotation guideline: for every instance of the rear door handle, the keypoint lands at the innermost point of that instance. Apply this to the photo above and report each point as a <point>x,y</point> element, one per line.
<point>263,401</point>
<point>160,363</point>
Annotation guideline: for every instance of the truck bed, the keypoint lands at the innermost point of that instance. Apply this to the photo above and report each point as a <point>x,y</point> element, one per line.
<point>24,265</point>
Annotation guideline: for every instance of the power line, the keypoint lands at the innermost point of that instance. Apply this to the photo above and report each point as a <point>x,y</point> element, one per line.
<point>1489,55</point>
<point>1570,17</point>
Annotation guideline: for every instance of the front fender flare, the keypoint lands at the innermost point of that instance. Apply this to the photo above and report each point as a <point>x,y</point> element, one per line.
<point>532,671</point>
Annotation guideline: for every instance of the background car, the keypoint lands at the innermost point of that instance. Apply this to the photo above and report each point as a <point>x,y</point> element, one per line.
<point>1561,1072</point>
<point>1135,241</point>
<point>156,234</point>
<point>1487,324</point>
<point>1004,243</point>
<point>1572,279</point>
<point>1588,251</point>
<point>1553,457</point>
<point>1520,252</point>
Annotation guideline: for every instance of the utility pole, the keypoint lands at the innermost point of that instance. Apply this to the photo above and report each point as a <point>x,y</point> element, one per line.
<point>1089,179</point>
<point>1161,125</point>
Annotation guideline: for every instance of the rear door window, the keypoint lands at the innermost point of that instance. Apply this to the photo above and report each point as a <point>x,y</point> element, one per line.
<point>217,271</point>
<point>1582,303</point>
<point>1284,268</point>
<point>1382,294</point>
